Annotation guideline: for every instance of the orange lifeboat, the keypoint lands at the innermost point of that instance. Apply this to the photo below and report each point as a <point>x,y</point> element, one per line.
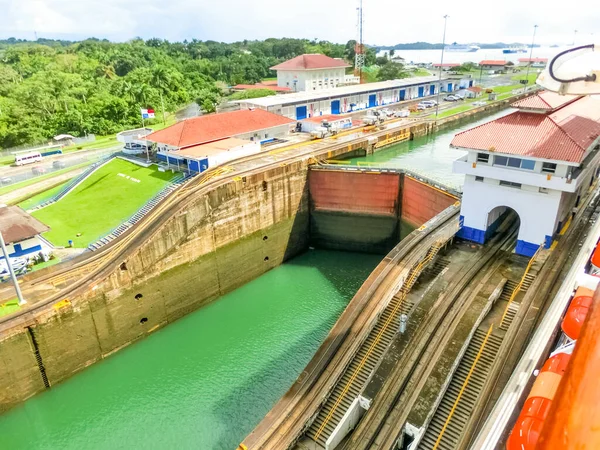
<point>595,260</point>
<point>527,429</point>
<point>575,316</point>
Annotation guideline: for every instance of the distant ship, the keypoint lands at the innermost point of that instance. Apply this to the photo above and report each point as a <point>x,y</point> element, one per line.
<point>514,50</point>
<point>461,48</point>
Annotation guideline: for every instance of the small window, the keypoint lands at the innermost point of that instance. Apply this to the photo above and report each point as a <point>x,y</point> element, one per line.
<point>549,167</point>
<point>500,160</point>
<point>510,184</point>
<point>514,162</point>
<point>483,157</point>
<point>543,190</point>
<point>479,179</point>
<point>527,164</point>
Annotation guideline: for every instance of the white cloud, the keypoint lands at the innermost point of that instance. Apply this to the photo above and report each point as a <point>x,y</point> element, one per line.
<point>386,21</point>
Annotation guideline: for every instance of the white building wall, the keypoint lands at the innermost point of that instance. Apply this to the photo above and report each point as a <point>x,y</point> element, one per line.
<point>311,80</point>
<point>26,247</point>
<point>280,131</point>
<point>537,211</point>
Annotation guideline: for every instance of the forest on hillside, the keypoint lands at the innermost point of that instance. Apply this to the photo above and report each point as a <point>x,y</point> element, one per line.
<point>95,86</point>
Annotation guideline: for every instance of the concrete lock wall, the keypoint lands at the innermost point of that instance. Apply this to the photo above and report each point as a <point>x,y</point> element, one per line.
<point>354,210</point>
<point>362,211</point>
<point>421,202</point>
<point>218,242</point>
<point>212,244</point>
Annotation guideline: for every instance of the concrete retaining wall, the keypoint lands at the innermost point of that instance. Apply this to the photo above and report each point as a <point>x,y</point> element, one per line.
<point>220,241</point>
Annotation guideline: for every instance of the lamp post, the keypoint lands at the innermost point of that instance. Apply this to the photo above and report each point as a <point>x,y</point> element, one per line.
<point>11,270</point>
<point>574,37</point>
<point>530,54</point>
<point>437,105</point>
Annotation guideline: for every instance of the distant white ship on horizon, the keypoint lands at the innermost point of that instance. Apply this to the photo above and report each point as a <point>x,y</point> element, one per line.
<point>461,48</point>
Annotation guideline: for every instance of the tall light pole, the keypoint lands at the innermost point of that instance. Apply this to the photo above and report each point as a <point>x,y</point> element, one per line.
<point>530,55</point>
<point>437,105</point>
<point>11,270</point>
<point>574,37</point>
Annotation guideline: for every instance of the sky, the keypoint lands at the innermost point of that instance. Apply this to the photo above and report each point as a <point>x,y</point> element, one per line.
<point>386,22</point>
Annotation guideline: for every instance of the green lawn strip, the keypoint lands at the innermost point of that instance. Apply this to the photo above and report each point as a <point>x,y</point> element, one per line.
<point>101,202</point>
<point>41,197</point>
<point>21,184</point>
<point>456,110</point>
<point>9,307</point>
<point>43,265</point>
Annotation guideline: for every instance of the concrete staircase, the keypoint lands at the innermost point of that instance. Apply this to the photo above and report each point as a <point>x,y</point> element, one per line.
<point>141,213</point>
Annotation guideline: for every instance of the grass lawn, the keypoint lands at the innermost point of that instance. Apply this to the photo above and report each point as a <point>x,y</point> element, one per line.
<point>456,110</point>
<point>102,202</point>
<point>41,197</point>
<point>522,76</point>
<point>43,265</point>
<point>9,307</point>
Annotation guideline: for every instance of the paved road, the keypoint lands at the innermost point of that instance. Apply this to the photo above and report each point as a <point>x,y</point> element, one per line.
<point>15,174</point>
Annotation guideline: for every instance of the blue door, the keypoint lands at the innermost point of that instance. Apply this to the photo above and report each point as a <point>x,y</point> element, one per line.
<point>194,166</point>
<point>402,94</point>
<point>421,91</point>
<point>372,100</point>
<point>203,164</point>
<point>449,87</point>
<point>335,107</point>
<point>300,112</point>
<point>470,83</point>
<point>431,89</point>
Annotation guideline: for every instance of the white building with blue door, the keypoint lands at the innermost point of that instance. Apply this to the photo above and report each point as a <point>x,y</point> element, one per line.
<point>345,99</point>
<point>201,142</point>
<point>21,233</point>
<point>537,162</point>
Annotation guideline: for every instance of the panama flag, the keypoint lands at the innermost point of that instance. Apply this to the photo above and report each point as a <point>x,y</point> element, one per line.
<point>147,113</point>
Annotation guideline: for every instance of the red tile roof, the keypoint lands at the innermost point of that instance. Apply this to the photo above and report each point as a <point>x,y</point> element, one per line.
<point>545,100</point>
<point>312,61</point>
<point>244,87</point>
<point>476,89</point>
<point>562,136</point>
<point>16,225</point>
<point>492,62</point>
<point>213,127</point>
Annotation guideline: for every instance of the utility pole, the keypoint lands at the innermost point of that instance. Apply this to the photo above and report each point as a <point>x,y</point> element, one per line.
<point>574,37</point>
<point>437,103</point>
<point>530,55</point>
<point>359,49</point>
<point>162,103</point>
<point>11,270</point>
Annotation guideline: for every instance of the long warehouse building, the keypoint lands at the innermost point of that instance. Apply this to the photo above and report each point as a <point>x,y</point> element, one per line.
<point>345,99</point>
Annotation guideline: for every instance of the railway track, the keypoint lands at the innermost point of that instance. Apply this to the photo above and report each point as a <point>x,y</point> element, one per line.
<point>382,424</point>
<point>287,420</point>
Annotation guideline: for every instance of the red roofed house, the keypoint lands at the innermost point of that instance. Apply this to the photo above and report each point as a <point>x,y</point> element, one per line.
<point>493,64</point>
<point>311,72</point>
<point>537,161</point>
<point>206,141</point>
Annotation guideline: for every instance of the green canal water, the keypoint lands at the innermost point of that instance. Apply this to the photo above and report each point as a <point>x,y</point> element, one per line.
<point>430,156</point>
<point>205,381</point>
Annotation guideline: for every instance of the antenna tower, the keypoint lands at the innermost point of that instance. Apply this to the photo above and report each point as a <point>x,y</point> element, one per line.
<point>359,50</point>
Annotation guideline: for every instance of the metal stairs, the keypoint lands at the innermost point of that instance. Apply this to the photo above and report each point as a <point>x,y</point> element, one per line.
<point>367,359</point>
<point>462,412</point>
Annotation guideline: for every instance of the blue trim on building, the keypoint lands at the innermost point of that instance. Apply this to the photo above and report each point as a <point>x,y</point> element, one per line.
<point>548,241</point>
<point>472,234</point>
<point>18,251</point>
<point>526,248</point>
<point>161,157</point>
